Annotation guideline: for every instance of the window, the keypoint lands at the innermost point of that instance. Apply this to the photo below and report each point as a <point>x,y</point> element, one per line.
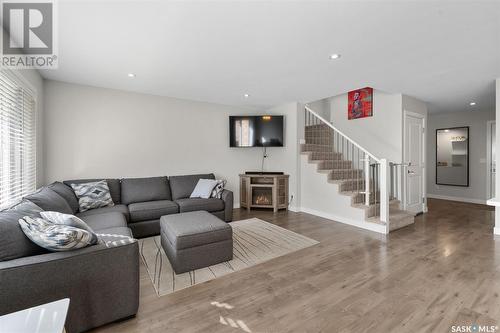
<point>244,134</point>
<point>17,139</point>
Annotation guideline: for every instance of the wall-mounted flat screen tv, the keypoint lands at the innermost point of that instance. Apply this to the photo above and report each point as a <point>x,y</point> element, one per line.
<point>256,131</point>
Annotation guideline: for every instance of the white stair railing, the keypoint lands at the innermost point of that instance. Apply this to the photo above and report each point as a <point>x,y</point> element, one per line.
<point>367,176</point>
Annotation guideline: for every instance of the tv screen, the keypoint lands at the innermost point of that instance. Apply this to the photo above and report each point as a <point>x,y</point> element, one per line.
<point>256,131</point>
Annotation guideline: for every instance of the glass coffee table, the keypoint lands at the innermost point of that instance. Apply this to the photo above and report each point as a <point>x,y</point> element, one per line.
<point>45,318</point>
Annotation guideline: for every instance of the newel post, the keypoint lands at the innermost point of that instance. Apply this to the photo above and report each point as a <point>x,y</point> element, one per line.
<point>384,191</point>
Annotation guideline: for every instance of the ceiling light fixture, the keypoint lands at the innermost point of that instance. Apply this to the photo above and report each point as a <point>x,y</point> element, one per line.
<point>246,95</point>
<point>472,103</point>
<point>131,75</point>
<point>334,56</point>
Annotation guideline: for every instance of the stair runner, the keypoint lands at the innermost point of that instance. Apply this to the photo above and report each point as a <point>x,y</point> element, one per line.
<point>320,147</point>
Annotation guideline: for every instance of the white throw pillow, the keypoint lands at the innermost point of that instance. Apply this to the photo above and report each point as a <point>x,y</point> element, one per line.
<point>204,188</point>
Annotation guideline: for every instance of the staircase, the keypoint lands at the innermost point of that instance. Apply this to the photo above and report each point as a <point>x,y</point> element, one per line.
<point>370,183</point>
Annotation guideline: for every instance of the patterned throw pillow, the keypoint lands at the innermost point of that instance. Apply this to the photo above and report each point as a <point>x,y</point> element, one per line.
<point>114,240</point>
<point>54,237</point>
<point>93,195</point>
<point>69,220</point>
<point>218,189</point>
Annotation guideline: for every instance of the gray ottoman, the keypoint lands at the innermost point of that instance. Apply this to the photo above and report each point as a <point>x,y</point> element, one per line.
<point>195,240</point>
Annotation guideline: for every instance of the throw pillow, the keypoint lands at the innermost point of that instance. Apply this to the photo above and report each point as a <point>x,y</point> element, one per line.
<point>218,189</point>
<point>69,220</point>
<point>114,240</point>
<point>92,195</point>
<point>203,188</point>
<point>54,237</point>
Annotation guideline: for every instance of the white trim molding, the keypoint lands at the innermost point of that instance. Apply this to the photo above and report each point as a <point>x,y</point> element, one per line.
<point>379,228</point>
<point>459,199</point>
<point>489,125</point>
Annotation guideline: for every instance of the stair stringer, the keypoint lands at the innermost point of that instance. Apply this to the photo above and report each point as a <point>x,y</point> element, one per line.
<point>322,198</point>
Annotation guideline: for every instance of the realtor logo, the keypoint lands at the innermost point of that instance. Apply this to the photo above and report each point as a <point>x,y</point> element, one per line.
<point>28,39</point>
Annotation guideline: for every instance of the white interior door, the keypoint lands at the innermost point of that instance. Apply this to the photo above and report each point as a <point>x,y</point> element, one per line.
<point>414,158</point>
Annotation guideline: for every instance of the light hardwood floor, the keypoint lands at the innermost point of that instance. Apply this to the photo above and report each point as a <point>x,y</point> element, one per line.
<point>444,270</point>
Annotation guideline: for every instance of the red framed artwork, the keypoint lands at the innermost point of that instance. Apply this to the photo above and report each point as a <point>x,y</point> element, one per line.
<point>360,103</point>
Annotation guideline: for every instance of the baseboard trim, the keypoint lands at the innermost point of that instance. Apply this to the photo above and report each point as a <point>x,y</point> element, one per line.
<point>236,205</point>
<point>359,224</point>
<point>496,231</point>
<point>459,199</point>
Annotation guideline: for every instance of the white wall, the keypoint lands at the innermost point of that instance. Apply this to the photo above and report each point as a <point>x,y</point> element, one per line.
<point>476,120</point>
<point>380,134</point>
<point>96,132</point>
<point>288,159</point>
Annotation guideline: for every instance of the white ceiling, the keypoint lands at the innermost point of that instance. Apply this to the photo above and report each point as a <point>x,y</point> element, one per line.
<point>443,52</point>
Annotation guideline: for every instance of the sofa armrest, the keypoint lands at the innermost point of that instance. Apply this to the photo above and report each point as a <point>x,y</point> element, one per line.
<point>101,283</point>
<point>227,197</point>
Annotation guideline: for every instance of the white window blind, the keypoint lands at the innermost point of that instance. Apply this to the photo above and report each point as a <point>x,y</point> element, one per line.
<point>17,139</point>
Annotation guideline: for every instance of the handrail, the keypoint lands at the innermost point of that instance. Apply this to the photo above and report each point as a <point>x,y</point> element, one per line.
<point>340,132</point>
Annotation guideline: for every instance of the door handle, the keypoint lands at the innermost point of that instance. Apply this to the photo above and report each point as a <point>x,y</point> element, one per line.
<point>411,172</point>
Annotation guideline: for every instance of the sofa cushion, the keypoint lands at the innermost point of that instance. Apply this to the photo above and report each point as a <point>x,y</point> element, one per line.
<point>145,189</point>
<point>194,204</point>
<point>13,242</point>
<point>48,199</point>
<point>67,193</point>
<point>27,208</point>
<point>151,210</point>
<point>116,208</point>
<point>113,184</point>
<point>99,222</point>
<point>183,186</point>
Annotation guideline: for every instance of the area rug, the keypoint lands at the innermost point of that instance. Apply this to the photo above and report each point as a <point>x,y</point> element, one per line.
<point>254,241</point>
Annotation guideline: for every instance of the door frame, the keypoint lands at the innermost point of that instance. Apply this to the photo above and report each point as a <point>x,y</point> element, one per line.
<point>423,118</point>
<point>489,125</point>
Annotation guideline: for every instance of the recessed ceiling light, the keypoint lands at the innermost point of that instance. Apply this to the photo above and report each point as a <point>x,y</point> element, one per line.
<point>334,56</point>
<point>131,75</point>
<point>246,95</point>
<point>472,103</point>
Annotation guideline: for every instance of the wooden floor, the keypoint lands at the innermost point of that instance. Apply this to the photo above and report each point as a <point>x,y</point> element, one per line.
<point>444,270</point>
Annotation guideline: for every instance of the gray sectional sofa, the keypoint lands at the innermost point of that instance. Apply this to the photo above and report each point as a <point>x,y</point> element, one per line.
<point>102,283</point>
